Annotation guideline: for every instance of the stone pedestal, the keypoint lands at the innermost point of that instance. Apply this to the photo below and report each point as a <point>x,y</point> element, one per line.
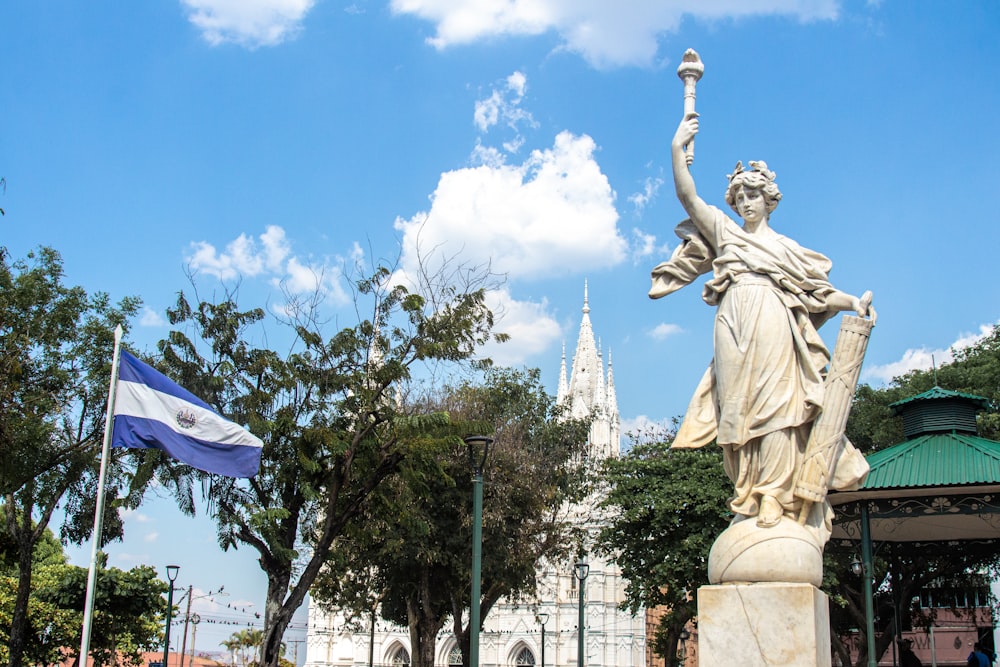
<point>763,625</point>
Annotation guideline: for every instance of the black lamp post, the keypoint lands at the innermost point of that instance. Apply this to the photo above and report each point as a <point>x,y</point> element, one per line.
<point>582,570</point>
<point>171,576</point>
<point>684,636</point>
<point>479,447</point>
<point>543,618</point>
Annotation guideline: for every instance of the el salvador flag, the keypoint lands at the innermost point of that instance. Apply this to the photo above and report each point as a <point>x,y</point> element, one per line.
<point>152,412</point>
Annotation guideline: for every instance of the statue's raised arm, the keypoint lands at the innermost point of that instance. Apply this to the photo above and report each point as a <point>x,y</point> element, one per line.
<point>699,212</point>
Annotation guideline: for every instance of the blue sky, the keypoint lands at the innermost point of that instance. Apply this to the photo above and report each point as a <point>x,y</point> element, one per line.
<point>273,142</point>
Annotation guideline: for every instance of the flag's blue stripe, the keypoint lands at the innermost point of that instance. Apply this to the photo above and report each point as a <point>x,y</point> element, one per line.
<point>231,460</point>
<point>131,369</point>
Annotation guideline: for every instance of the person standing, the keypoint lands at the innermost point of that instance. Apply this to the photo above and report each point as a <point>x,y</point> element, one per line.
<point>978,657</point>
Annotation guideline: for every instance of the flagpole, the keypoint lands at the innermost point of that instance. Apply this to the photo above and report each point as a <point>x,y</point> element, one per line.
<point>88,609</point>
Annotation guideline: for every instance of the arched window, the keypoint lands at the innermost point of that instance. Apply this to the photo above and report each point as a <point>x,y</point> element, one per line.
<point>455,657</point>
<point>524,658</point>
<point>401,657</point>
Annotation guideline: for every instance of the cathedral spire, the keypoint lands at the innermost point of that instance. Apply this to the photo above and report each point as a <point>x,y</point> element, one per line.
<point>587,394</point>
<point>583,378</point>
<point>563,391</point>
<point>614,417</point>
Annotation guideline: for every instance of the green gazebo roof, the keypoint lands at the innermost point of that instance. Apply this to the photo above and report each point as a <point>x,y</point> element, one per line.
<point>935,459</point>
<point>941,484</point>
<point>938,393</point>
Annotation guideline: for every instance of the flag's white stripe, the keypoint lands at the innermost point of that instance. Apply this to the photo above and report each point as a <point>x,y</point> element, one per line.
<point>139,400</point>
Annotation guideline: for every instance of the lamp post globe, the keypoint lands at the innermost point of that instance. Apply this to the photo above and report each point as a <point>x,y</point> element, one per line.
<point>543,618</point>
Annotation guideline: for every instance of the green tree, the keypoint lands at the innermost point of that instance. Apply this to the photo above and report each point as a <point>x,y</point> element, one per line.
<point>410,554</point>
<point>48,551</point>
<point>327,412</point>
<point>668,506</point>
<point>129,612</point>
<point>56,345</point>
<point>50,628</point>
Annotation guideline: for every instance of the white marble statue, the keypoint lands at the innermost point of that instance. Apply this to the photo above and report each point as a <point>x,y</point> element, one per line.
<point>765,385</point>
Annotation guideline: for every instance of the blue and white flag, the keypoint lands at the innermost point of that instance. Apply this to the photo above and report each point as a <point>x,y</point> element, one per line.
<point>152,412</point>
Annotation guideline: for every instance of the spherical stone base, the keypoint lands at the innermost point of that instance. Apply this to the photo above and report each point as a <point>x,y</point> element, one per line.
<point>746,553</point>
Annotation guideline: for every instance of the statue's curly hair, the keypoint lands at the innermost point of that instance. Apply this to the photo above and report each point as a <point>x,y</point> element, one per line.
<point>758,177</point>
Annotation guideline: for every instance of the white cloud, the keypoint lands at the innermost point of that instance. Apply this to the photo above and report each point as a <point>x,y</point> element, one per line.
<point>650,189</point>
<point>150,537</point>
<point>270,256</point>
<point>644,245</point>
<point>530,326</point>
<point>642,429</point>
<point>553,212</point>
<point>276,247</point>
<point>241,258</point>
<point>307,279</point>
<point>132,559</point>
<point>530,221</point>
<point>924,358</point>
<point>151,318</point>
<point>606,34</point>
<point>487,156</point>
<point>504,105</point>
<point>249,23</point>
<point>133,515</point>
<point>664,331</point>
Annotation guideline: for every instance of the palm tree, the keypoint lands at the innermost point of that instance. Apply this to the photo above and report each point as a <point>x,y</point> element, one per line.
<point>244,645</point>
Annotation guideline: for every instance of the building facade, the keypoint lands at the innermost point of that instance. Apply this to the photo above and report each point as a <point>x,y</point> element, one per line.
<point>512,632</point>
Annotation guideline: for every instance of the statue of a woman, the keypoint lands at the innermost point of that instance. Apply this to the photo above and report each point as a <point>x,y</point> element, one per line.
<point>764,387</point>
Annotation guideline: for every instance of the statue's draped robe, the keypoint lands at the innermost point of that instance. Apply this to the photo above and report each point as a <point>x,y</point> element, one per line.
<point>765,385</point>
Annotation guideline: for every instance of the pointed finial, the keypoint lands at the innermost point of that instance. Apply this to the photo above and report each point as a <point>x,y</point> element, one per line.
<point>586,300</point>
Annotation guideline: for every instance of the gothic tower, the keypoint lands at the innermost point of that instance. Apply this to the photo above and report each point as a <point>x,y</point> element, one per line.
<point>588,392</point>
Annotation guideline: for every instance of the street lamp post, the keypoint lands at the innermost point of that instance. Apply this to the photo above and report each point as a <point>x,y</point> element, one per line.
<point>684,636</point>
<point>479,447</point>
<point>171,576</point>
<point>582,570</point>
<point>543,618</point>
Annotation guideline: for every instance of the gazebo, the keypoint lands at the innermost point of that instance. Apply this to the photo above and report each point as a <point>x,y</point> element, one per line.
<point>942,484</point>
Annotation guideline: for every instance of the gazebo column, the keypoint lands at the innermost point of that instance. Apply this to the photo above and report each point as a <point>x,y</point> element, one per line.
<point>866,574</point>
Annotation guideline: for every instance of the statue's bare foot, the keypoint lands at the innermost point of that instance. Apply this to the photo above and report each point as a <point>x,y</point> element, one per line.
<point>770,512</point>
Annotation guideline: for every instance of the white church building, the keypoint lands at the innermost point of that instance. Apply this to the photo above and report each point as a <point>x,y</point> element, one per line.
<point>512,633</point>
